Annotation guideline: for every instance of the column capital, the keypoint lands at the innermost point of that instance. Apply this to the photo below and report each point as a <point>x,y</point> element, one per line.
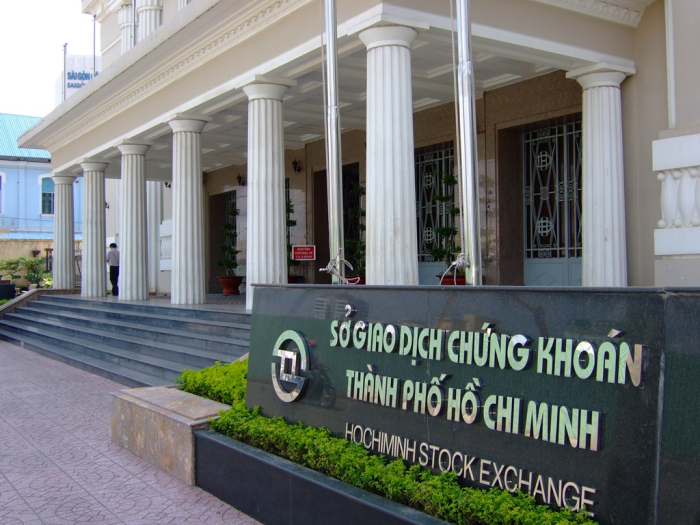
<point>93,165</point>
<point>188,122</point>
<point>132,148</point>
<point>388,36</point>
<point>601,75</point>
<point>262,87</point>
<point>63,179</point>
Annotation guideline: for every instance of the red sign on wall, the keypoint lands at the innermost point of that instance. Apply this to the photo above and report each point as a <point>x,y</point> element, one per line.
<point>304,253</point>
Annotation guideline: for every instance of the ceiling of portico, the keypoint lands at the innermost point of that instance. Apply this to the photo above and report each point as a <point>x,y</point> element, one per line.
<point>224,139</point>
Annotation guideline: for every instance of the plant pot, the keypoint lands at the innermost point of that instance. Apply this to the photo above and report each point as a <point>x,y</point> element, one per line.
<point>231,284</point>
<point>453,280</point>
<point>295,279</point>
<point>356,279</point>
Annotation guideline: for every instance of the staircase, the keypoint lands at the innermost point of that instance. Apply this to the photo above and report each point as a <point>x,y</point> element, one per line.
<point>140,343</point>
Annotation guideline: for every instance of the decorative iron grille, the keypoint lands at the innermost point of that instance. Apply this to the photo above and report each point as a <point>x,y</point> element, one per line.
<point>231,221</point>
<point>552,192</point>
<point>431,163</point>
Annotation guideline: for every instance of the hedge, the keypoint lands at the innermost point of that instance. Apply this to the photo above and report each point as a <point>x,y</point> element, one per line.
<point>439,495</point>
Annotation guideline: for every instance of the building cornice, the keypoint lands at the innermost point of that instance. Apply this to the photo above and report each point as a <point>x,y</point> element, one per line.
<point>241,26</point>
<point>626,12</point>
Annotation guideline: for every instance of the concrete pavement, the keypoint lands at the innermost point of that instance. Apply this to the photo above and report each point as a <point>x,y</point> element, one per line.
<point>58,465</point>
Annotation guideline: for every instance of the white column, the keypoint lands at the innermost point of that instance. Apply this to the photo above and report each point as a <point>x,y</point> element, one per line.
<point>181,4</point>
<point>149,14</point>
<point>64,239</point>
<point>94,275</point>
<point>188,214</point>
<point>133,266</point>
<point>124,17</point>
<point>392,251</point>
<point>604,236</point>
<point>154,209</point>
<point>266,257</point>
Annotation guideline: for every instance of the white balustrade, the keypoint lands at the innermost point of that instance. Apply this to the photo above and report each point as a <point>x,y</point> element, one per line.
<point>166,245</point>
<point>680,198</point>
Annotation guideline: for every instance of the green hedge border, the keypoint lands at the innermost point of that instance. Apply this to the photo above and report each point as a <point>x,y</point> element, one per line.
<point>438,495</point>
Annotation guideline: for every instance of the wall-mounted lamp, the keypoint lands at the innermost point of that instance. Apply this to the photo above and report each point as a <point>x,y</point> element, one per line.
<point>296,166</point>
<point>106,205</point>
<point>241,180</point>
<point>167,184</point>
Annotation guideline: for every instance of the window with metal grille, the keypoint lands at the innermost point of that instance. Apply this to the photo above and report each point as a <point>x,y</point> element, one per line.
<point>552,192</point>
<point>432,163</point>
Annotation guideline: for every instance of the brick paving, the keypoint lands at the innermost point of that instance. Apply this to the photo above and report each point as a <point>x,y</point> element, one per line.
<point>58,465</point>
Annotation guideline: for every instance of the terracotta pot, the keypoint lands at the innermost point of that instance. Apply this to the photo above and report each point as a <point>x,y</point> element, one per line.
<point>231,284</point>
<point>453,280</point>
<point>356,279</point>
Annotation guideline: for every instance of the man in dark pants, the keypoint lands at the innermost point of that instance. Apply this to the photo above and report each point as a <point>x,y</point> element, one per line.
<point>113,262</point>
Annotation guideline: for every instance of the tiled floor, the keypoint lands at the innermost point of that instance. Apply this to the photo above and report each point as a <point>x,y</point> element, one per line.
<point>58,465</point>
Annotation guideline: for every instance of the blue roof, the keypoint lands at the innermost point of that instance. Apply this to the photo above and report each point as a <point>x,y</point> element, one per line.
<point>11,127</point>
<point>33,236</point>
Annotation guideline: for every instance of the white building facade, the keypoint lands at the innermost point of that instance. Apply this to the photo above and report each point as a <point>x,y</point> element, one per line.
<point>588,132</point>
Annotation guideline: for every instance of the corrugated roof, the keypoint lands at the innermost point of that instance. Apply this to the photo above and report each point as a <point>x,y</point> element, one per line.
<point>33,236</point>
<point>11,127</point>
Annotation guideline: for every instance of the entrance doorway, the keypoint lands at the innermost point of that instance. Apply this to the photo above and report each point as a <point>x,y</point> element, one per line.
<point>352,228</point>
<point>552,223</point>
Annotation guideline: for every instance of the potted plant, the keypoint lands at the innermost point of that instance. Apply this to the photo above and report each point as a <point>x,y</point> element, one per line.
<point>292,264</point>
<point>355,248</point>
<point>230,282</point>
<point>444,248</point>
<point>33,270</point>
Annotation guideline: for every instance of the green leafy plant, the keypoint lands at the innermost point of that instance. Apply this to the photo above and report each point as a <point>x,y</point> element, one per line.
<point>292,264</point>
<point>11,268</point>
<point>229,251</point>
<point>355,247</point>
<point>47,281</point>
<point>444,248</point>
<point>438,495</point>
<point>33,269</point>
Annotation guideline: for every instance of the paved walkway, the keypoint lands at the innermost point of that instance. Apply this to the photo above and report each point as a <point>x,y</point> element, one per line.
<point>58,465</point>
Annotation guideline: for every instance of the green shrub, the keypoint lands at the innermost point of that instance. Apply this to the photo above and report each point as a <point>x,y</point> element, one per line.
<point>315,448</point>
<point>10,268</point>
<point>33,268</point>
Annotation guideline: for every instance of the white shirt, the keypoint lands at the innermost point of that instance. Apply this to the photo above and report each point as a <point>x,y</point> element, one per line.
<point>113,257</point>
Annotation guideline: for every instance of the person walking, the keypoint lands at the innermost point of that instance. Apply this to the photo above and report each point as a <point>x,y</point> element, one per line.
<point>113,262</point>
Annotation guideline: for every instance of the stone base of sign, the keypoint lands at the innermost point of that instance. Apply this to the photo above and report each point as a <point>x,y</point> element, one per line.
<point>276,491</point>
<point>156,424</point>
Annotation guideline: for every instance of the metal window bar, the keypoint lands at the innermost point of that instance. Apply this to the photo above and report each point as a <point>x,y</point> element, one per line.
<point>552,192</point>
<point>431,162</point>
<point>230,220</point>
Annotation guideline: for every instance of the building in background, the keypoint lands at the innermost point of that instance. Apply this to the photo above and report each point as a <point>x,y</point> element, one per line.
<point>587,116</point>
<point>80,69</point>
<point>27,194</point>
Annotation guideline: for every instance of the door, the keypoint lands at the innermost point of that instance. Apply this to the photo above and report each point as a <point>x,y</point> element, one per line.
<point>552,205</point>
<point>352,228</point>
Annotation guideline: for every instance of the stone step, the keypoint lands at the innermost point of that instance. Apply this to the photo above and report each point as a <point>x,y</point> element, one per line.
<point>157,307</point>
<point>189,356</point>
<point>226,346</point>
<point>134,343</point>
<point>117,373</point>
<point>129,315</point>
<point>149,365</point>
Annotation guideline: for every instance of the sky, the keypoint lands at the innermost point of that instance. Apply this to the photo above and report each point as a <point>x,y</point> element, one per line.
<point>32,34</point>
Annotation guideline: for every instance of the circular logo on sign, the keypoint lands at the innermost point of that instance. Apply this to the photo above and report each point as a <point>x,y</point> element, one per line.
<point>294,357</point>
